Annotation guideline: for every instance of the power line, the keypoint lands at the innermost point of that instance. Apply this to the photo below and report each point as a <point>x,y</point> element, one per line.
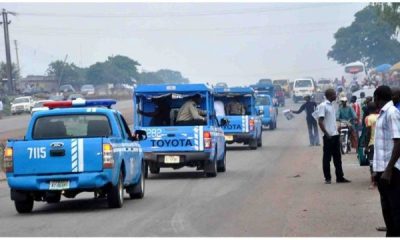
<point>222,13</point>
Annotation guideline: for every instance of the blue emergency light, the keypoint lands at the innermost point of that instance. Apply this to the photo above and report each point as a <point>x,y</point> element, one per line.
<point>81,103</point>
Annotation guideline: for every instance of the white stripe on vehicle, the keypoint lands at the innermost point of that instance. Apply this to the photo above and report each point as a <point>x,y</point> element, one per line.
<point>201,140</point>
<point>196,138</point>
<point>80,155</point>
<point>74,155</point>
<point>247,123</point>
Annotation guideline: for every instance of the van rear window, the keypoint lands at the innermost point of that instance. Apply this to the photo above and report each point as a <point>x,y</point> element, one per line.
<point>71,126</point>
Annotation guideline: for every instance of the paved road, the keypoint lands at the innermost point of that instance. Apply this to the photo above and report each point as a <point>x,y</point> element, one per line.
<point>277,190</point>
<point>17,124</point>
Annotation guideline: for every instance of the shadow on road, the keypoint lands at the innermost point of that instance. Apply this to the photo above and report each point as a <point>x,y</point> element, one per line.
<point>177,175</point>
<point>75,206</point>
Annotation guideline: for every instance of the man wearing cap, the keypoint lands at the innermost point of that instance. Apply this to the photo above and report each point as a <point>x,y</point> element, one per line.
<point>310,107</point>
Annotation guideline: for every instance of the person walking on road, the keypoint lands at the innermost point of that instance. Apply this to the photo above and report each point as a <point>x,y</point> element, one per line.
<point>331,148</point>
<point>386,164</point>
<point>310,107</point>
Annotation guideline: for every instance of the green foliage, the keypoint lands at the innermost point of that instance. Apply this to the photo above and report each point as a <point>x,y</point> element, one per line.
<point>149,78</point>
<point>390,12</point>
<point>170,76</point>
<point>67,73</point>
<point>117,70</point>
<point>368,39</point>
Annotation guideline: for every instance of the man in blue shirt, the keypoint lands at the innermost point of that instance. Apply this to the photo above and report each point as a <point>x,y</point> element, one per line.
<point>310,107</point>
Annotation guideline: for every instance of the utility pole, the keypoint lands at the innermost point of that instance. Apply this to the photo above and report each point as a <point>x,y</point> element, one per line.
<point>62,71</point>
<point>16,54</point>
<point>8,54</point>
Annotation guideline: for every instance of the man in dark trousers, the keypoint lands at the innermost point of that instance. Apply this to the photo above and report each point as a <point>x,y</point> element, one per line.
<point>310,107</point>
<point>386,164</point>
<point>331,148</point>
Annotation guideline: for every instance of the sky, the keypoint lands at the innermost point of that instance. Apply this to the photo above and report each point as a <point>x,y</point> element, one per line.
<point>236,43</point>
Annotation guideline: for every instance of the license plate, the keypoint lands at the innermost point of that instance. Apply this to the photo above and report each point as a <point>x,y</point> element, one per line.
<point>228,138</point>
<point>171,159</point>
<point>59,185</point>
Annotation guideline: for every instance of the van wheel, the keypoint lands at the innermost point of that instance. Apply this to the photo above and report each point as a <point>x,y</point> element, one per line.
<point>210,168</point>
<point>154,168</point>
<point>115,196</point>
<point>24,206</point>
<point>221,164</point>
<point>146,169</point>
<point>138,188</point>
<point>259,142</point>
<point>253,144</point>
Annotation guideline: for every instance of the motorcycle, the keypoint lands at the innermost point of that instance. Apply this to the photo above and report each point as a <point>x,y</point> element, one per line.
<point>344,131</point>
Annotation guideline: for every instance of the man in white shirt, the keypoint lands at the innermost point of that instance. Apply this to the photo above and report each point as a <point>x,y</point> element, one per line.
<point>386,164</point>
<point>331,148</point>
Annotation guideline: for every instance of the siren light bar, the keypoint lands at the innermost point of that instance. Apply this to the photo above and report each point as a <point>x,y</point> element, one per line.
<point>81,103</point>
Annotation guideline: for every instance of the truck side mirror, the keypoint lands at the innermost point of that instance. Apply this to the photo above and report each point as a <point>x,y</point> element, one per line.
<point>260,112</point>
<point>140,135</point>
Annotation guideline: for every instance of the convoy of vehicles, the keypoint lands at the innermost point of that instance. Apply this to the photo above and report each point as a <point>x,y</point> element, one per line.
<point>244,121</point>
<point>284,83</point>
<point>279,95</point>
<point>78,146</point>
<point>171,145</point>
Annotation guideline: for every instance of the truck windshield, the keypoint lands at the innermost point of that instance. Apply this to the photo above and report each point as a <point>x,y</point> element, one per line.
<point>71,126</point>
<point>303,83</point>
<point>21,100</point>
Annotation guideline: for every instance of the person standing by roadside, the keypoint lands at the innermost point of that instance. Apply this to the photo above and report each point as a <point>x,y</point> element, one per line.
<point>310,107</point>
<point>357,109</point>
<point>1,108</point>
<point>331,147</point>
<point>370,123</point>
<point>386,164</point>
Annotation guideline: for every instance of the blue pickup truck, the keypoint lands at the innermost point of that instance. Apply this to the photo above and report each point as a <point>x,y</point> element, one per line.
<point>244,125</point>
<point>269,111</point>
<point>76,146</point>
<point>174,144</point>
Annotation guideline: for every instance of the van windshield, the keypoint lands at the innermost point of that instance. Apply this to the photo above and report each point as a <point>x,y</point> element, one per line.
<point>303,83</point>
<point>71,126</point>
<point>262,101</point>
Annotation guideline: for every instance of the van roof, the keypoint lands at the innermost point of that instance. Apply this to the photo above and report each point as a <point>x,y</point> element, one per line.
<point>172,88</point>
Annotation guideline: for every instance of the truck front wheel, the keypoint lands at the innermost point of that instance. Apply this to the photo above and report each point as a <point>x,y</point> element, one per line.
<point>25,206</point>
<point>253,144</point>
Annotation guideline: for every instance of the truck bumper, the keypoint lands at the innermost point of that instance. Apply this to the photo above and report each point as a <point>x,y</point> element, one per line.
<point>185,158</point>
<point>76,181</point>
<point>239,137</point>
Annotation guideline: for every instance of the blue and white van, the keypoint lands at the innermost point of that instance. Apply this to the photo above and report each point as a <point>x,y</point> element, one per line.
<point>245,127</point>
<point>76,146</point>
<point>169,145</point>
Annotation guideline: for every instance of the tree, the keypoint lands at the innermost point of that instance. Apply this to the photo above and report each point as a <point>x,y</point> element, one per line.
<point>67,73</point>
<point>116,70</point>
<point>3,75</point>
<point>390,12</point>
<point>368,39</point>
<point>149,78</point>
<point>170,76</point>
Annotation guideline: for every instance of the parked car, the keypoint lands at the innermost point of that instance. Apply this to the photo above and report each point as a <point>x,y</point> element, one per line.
<point>68,88</point>
<point>87,89</point>
<point>39,106</point>
<point>22,104</point>
<point>279,95</point>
